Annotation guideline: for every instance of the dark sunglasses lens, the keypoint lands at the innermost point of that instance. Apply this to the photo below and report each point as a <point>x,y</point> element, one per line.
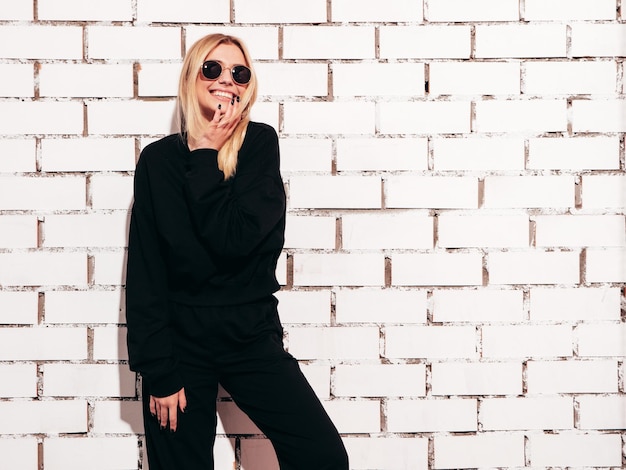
<point>241,74</point>
<point>211,69</point>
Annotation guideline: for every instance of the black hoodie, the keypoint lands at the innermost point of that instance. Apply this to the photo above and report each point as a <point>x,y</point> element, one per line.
<point>198,239</point>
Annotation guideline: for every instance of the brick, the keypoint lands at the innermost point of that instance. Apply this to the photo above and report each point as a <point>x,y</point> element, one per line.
<point>17,11</point>
<point>17,155</point>
<point>84,307</point>
<point>450,415</point>
<point>111,191</point>
<point>373,79</point>
<point>452,378</point>
<point>527,341</point>
<point>380,380</point>
<point>570,78</point>
<point>520,41</point>
<point>598,116</point>
<point>521,116</point>
<point>550,377</point>
<point>117,417</point>
<point>304,306</point>
<point>613,340</point>
<point>133,43</point>
<point>598,40</point>
<point>281,269</point>
<point>388,453</point>
<point>393,11</point>
<point>310,232</point>
<point>279,11</point>
<point>18,381</point>
<point>18,308</point>
<point>354,417</point>
<point>88,380</point>
<point>578,153</point>
<point>334,343</point>
<point>478,153</point>
<point>130,117</point>
<point>109,344</point>
<point>534,267</point>
<point>477,306</point>
<point>516,192</point>
<point>42,117</point>
<point>92,230</point>
<point>574,304</point>
<point>158,79</point>
<point>306,155</point>
<point>18,80</point>
<point>262,41</point>
<point>380,306</point>
<point>41,42</point>
<point>75,10</point>
<point>425,117</point>
<point>292,79</point>
<point>382,154</point>
<point>86,80</point>
<point>598,412</point>
<point>580,230</point>
<point>328,42</point>
<point>434,269</point>
<point>42,268</point>
<point>472,230</point>
<point>19,453</point>
<point>87,154</point>
<point>96,453</point>
<point>606,265</point>
<point>18,231</point>
<point>355,192</point>
<point>110,268</point>
<point>223,450</point>
<point>354,117</point>
<point>254,452</point>
<point>463,11</point>
<point>269,113</point>
<point>479,451</point>
<point>603,191</point>
<point>474,78</point>
<point>538,10</point>
<point>426,192</point>
<point>183,11</point>
<point>425,42</point>
<point>580,450</point>
<point>318,377</point>
<point>38,417</point>
<point>432,342</point>
<point>387,231</point>
<point>338,269</point>
<point>527,413</point>
<point>40,343</point>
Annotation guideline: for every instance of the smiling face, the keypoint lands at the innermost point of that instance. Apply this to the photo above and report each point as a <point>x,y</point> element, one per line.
<point>223,89</point>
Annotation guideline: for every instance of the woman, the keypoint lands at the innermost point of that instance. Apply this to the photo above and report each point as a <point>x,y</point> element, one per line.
<point>206,231</point>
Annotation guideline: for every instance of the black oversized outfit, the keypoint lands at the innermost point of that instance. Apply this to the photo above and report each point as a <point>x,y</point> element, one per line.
<point>200,309</point>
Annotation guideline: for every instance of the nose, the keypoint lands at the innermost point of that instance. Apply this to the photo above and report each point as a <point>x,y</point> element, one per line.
<point>226,76</point>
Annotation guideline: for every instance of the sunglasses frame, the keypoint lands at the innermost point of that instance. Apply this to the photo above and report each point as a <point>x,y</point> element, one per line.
<point>232,69</point>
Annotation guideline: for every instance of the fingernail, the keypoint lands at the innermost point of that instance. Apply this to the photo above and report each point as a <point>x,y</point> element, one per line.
<point>238,100</point>
<point>232,101</point>
<point>219,106</point>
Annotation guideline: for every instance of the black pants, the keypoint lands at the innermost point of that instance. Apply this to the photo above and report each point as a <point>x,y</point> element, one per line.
<point>241,348</point>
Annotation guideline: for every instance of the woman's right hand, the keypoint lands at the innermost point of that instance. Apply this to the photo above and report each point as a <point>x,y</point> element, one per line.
<point>220,128</point>
<point>165,409</point>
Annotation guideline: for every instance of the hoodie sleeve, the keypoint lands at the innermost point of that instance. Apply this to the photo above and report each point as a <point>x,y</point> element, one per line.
<point>147,316</point>
<point>234,217</point>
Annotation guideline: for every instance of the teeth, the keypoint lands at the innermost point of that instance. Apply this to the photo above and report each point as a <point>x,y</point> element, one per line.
<point>225,95</point>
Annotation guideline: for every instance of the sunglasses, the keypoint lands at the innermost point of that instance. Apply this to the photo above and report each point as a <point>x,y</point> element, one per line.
<point>212,70</point>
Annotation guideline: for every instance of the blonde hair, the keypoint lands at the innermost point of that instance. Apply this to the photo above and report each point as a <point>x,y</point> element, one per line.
<point>190,118</point>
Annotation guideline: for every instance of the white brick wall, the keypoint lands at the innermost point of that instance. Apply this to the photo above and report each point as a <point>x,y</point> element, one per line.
<point>455,260</point>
